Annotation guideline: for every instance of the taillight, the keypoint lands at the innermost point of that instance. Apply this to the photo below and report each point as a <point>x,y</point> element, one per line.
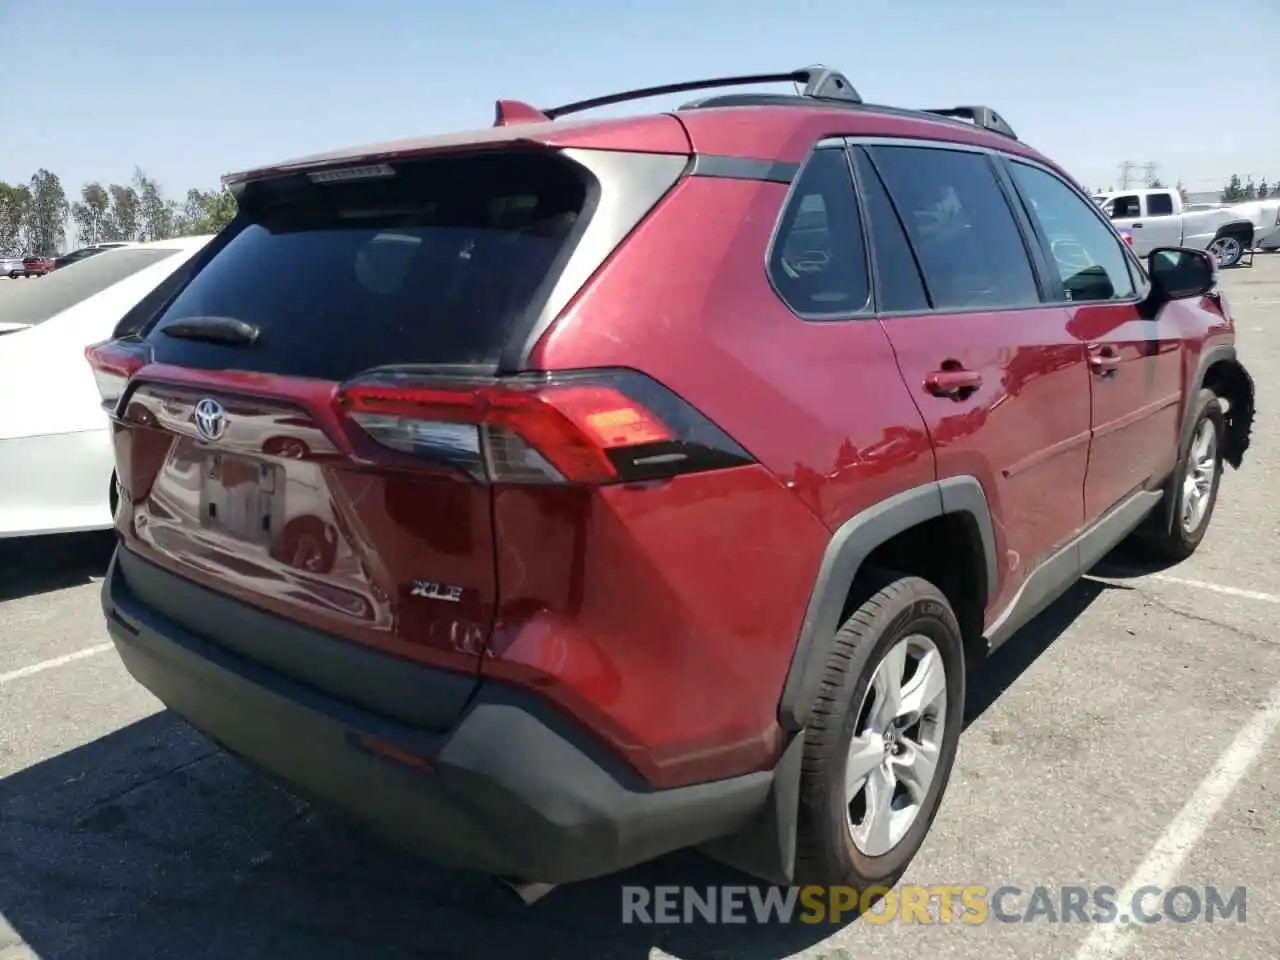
<point>113,363</point>
<point>590,427</point>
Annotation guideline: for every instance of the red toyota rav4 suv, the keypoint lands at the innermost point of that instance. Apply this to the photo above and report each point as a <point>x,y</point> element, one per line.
<point>565,493</point>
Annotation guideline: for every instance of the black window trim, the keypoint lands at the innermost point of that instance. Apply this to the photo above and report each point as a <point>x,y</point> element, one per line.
<point>1039,269</point>
<point>868,310</point>
<point>852,150</point>
<point>1141,290</point>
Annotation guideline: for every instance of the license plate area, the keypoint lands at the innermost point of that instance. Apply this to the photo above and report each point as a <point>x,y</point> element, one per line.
<point>241,497</point>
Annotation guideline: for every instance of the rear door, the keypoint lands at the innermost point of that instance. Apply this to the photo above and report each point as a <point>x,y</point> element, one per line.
<point>999,378</point>
<point>1135,361</point>
<point>241,470</point>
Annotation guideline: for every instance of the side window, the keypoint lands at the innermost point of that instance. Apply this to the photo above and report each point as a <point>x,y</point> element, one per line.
<point>1160,205</point>
<point>818,262</point>
<point>1087,254</point>
<point>1126,208</point>
<point>900,288</point>
<point>968,243</point>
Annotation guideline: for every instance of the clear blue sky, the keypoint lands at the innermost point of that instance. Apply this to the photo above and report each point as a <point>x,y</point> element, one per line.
<point>191,91</point>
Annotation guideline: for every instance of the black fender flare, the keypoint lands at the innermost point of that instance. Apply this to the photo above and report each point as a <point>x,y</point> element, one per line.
<point>846,552</point>
<point>1245,227</point>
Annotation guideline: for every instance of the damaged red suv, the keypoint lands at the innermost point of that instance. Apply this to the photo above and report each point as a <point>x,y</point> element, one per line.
<point>565,493</point>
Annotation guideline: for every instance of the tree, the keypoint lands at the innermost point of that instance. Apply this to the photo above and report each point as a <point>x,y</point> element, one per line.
<point>1275,191</point>
<point>1157,184</point>
<point>14,202</point>
<point>91,212</point>
<point>45,225</point>
<point>122,218</point>
<point>156,215</point>
<point>1233,192</point>
<point>207,211</point>
<point>1264,190</point>
<point>1250,191</point>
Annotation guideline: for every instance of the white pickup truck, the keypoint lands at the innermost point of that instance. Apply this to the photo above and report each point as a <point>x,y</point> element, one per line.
<point>1156,218</point>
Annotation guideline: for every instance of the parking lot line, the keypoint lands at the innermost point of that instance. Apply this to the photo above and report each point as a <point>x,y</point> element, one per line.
<point>1160,868</point>
<point>44,665</point>
<point>1218,588</point>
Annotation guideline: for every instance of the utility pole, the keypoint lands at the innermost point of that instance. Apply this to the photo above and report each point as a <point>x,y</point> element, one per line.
<point>1150,170</point>
<point>1126,173</point>
<point>1129,175</point>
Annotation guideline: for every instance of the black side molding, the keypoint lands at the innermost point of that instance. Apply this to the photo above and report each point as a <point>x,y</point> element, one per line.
<point>845,554</point>
<point>743,168</point>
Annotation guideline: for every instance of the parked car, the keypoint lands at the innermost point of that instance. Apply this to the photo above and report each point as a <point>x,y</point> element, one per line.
<point>75,256</point>
<point>1156,218</point>
<point>558,495</point>
<point>11,267</point>
<point>56,459</point>
<point>1265,217</point>
<point>36,266</point>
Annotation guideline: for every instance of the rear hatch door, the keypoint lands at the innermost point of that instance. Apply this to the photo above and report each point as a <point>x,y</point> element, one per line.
<point>239,471</point>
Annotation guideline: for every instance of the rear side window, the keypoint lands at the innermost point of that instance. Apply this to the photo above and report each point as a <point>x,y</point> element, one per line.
<point>900,289</point>
<point>1160,205</point>
<point>432,265</point>
<point>961,227</point>
<point>38,300</point>
<point>818,262</point>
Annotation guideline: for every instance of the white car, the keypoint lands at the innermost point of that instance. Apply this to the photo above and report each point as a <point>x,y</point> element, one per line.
<point>56,456</point>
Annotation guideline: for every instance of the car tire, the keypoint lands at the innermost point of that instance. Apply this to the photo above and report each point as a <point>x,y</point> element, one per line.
<point>902,621</point>
<point>1183,518</point>
<point>1228,250</point>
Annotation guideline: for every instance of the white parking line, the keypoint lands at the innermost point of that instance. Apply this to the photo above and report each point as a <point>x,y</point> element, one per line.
<point>1160,868</point>
<point>55,662</point>
<point>1218,588</point>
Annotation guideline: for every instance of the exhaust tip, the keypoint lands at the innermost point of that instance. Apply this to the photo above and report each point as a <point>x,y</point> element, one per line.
<point>529,893</point>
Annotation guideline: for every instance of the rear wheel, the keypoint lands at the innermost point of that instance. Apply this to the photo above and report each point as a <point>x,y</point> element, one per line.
<point>1227,250</point>
<point>880,747</point>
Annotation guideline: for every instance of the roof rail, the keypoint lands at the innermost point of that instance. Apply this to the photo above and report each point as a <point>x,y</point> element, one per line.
<point>819,82</point>
<point>983,117</point>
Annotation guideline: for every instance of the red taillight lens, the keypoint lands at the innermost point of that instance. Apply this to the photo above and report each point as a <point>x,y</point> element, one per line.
<point>588,428</point>
<point>113,363</point>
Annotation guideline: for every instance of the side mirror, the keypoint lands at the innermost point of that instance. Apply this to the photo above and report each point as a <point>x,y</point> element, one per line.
<point>1181,273</point>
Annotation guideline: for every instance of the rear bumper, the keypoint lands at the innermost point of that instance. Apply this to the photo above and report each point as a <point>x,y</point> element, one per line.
<point>513,789</point>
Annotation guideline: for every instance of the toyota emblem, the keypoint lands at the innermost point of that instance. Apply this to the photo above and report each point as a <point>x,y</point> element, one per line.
<point>210,419</point>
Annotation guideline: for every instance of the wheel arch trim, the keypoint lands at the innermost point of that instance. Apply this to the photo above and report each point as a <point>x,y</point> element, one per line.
<point>846,552</point>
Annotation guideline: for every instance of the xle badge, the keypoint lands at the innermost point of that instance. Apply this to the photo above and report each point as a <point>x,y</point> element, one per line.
<point>436,591</point>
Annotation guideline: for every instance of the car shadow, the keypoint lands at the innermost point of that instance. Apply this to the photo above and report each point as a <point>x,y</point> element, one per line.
<point>151,842</point>
<point>30,566</point>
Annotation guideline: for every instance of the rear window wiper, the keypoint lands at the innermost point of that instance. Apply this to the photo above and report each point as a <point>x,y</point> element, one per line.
<point>227,330</point>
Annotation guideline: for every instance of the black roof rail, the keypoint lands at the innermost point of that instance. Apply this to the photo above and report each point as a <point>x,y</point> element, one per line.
<point>819,83</point>
<point>983,117</point>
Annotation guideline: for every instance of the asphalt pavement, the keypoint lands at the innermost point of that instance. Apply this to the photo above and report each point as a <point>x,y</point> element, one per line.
<point>1126,737</point>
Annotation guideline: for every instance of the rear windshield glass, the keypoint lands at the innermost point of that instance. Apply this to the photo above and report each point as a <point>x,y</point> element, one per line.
<point>431,265</point>
<point>35,301</point>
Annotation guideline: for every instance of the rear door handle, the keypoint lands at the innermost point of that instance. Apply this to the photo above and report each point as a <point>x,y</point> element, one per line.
<point>1104,361</point>
<point>1136,226</point>
<point>956,384</point>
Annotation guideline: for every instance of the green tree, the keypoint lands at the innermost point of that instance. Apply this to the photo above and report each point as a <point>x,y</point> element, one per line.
<point>1250,191</point>
<point>1264,189</point>
<point>15,199</point>
<point>90,213</point>
<point>1233,192</point>
<point>1157,184</point>
<point>123,216</point>
<point>207,211</point>
<point>45,225</point>
<point>156,215</point>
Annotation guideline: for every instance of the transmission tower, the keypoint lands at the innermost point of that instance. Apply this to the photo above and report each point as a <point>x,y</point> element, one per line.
<point>1130,175</point>
<point>1149,173</point>
<point>1126,173</point>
